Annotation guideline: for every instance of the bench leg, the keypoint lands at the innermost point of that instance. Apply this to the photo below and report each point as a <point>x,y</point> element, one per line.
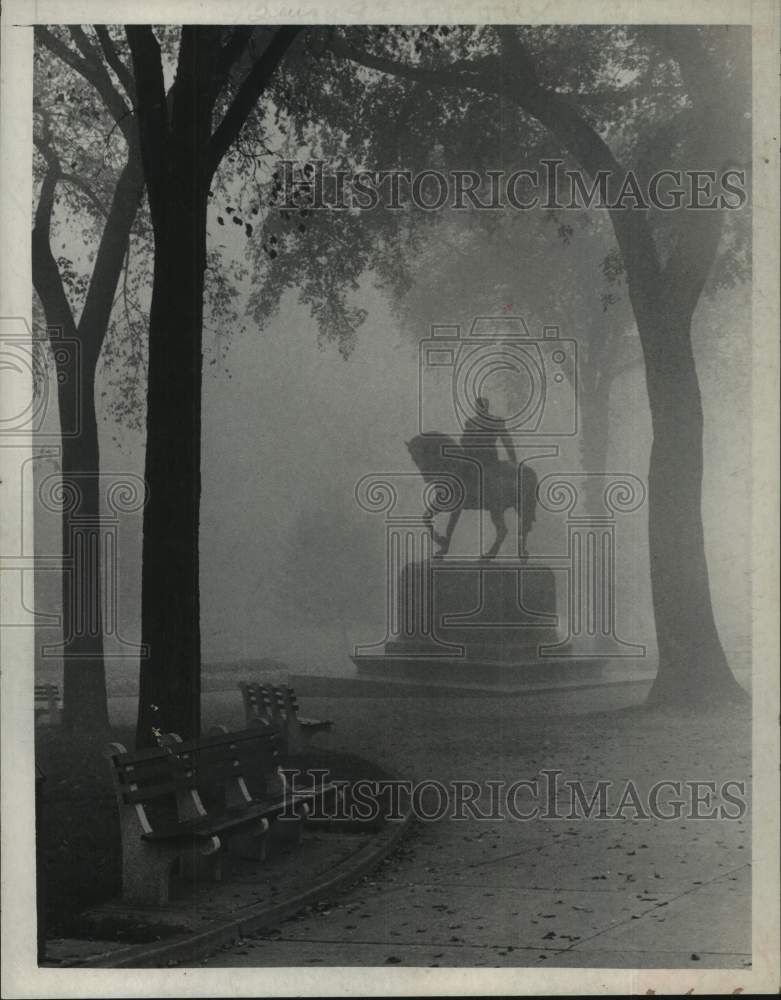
<point>146,877</point>
<point>295,741</point>
<point>250,844</point>
<point>290,830</point>
<point>195,867</point>
<point>147,867</point>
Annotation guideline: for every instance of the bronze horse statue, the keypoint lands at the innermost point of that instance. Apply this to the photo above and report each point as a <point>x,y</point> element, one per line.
<point>504,486</point>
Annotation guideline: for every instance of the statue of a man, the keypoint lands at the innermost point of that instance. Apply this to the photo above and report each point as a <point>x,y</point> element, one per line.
<point>480,441</point>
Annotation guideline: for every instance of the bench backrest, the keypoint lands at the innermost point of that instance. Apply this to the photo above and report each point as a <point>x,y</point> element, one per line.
<point>47,703</point>
<point>174,780</point>
<point>50,693</point>
<point>45,692</point>
<point>232,767</point>
<point>147,782</point>
<point>262,701</point>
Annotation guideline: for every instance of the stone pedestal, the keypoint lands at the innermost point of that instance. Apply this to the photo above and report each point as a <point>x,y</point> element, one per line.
<point>478,610</point>
<point>473,621</point>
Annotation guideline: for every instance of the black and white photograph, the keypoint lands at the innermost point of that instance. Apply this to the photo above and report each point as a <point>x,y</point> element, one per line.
<point>389,479</point>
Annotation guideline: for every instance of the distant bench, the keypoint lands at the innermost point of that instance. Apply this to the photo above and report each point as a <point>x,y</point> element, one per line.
<point>179,803</point>
<point>278,706</point>
<point>47,702</point>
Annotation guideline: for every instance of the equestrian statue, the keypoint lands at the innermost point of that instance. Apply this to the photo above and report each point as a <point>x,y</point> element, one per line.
<point>485,482</point>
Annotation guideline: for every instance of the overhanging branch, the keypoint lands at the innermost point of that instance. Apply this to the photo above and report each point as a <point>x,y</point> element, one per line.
<point>124,75</point>
<point>47,279</point>
<point>230,53</point>
<point>249,93</point>
<point>75,181</point>
<point>517,81</point>
<point>456,75</point>
<point>93,72</point>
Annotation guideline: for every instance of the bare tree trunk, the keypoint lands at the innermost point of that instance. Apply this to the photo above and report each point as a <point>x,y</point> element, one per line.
<point>175,147</point>
<point>169,696</point>
<point>180,155</point>
<point>693,668</point>
<point>76,350</point>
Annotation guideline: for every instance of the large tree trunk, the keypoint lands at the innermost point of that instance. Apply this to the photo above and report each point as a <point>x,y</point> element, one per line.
<point>692,665</point>
<point>178,181</point>
<point>170,677</point>
<point>693,668</point>
<point>180,155</point>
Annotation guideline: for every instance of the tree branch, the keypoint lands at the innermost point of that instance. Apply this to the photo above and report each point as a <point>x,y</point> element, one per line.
<point>58,48</point>
<point>81,184</point>
<point>45,207</point>
<point>517,81</point>
<point>230,53</point>
<point>47,279</point>
<point>456,75</point>
<point>249,93</point>
<point>110,254</point>
<point>695,247</point>
<point>124,75</point>
<point>93,72</point>
<point>83,44</point>
<point>563,118</point>
<point>151,104</point>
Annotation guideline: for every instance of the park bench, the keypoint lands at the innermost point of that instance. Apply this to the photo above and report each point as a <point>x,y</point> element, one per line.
<point>262,783</point>
<point>186,804</point>
<point>47,702</point>
<point>278,707</point>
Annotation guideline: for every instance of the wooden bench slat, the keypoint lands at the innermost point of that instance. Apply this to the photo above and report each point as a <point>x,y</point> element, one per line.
<point>211,825</point>
<point>215,755</point>
<point>47,702</point>
<point>158,772</point>
<point>145,793</point>
<point>135,757</point>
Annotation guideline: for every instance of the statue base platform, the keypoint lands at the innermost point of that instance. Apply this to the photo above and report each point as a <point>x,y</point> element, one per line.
<point>502,672</point>
<point>614,685</point>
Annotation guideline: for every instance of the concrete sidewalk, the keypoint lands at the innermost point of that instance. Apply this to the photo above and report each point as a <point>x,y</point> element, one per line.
<point>252,895</point>
<point>631,891</point>
<point>616,893</point>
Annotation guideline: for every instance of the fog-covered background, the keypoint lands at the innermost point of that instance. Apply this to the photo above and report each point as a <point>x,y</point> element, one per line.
<point>312,323</point>
<point>292,569</point>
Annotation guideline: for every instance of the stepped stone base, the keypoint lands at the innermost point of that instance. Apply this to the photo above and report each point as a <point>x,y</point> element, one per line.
<point>483,672</point>
<point>472,622</point>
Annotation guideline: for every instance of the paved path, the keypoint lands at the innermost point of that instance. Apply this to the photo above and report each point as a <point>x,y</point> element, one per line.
<point>615,893</point>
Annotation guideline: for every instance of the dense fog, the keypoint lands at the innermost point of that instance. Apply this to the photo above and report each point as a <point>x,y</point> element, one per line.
<point>292,569</point>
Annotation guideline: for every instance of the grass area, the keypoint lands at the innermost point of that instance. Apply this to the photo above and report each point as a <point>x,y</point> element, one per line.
<point>79,853</point>
<point>77,825</point>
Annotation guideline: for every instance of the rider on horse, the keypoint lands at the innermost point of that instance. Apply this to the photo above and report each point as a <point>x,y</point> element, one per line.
<point>480,438</point>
